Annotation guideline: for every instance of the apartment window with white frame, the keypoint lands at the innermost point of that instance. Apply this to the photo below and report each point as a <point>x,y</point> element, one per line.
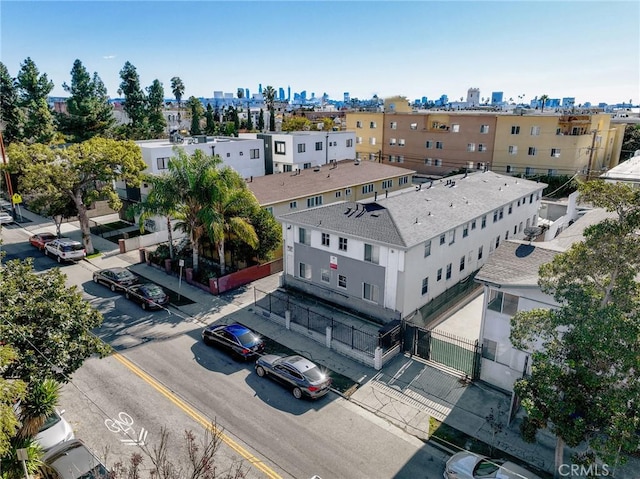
<point>465,230</point>
<point>439,145</point>
<point>528,171</point>
<point>342,281</point>
<point>371,253</point>
<point>403,180</point>
<point>386,184</point>
<point>555,152</point>
<point>367,188</point>
<point>513,149</point>
<point>293,205</point>
<point>393,125</point>
<point>287,168</point>
<point>531,151</point>
<point>427,249</point>
<point>228,155</point>
<point>429,144</point>
<point>372,124</point>
<point>489,349</point>
<point>359,140</point>
<point>241,153</point>
<point>372,140</point>
<point>338,194</point>
<point>483,223</point>
<point>482,147</point>
<point>162,163</point>
<point>392,141</point>
<point>401,142</point>
<point>455,128</point>
<point>509,169</point>
<point>484,128</point>
<point>535,131</point>
<point>306,166</point>
<point>314,201</point>
<point>438,162</point>
<point>439,275</point>
<point>471,147</point>
<point>452,236</point>
<point>502,302</point>
<point>325,275</point>
<point>413,126</point>
<point>303,236</point>
<point>462,260</point>
<point>358,124</point>
<point>281,148</point>
<point>326,239</point>
<point>370,292</point>
<point>473,225</point>
<point>301,148</point>
<point>305,271</point>
<point>552,172</point>
<point>254,153</point>
<point>342,244</point>
<point>443,238</point>
<point>428,161</point>
<point>425,285</point>
<point>347,192</point>
<point>479,253</point>
<point>515,130</point>
<point>318,146</point>
<point>448,275</point>
<point>349,142</point>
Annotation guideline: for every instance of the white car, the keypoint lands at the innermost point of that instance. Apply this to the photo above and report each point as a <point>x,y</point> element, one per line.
<point>5,218</point>
<point>74,460</point>
<point>467,465</point>
<point>65,250</point>
<point>54,431</point>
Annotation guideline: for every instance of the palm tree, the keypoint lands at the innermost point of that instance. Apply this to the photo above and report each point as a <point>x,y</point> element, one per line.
<point>40,402</point>
<point>543,99</point>
<point>269,94</point>
<point>177,87</point>
<point>161,201</point>
<point>228,213</point>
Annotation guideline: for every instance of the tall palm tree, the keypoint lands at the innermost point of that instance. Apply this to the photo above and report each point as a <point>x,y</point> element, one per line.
<point>161,201</point>
<point>229,211</point>
<point>177,87</point>
<point>543,100</point>
<point>269,94</point>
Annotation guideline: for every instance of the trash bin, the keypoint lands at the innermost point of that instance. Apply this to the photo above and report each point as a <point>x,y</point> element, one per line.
<point>143,255</point>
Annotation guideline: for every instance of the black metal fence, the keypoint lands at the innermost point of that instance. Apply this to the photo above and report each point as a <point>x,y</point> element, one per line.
<point>278,303</point>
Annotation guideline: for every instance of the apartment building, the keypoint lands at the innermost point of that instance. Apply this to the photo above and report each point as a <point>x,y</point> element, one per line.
<point>369,131</point>
<point>389,258</point>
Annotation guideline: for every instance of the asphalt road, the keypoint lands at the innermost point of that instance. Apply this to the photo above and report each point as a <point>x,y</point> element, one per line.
<point>164,377</point>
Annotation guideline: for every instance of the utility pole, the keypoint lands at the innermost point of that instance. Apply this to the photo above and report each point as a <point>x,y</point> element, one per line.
<point>591,150</point>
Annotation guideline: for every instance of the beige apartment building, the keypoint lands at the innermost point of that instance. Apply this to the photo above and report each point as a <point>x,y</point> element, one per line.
<point>369,134</point>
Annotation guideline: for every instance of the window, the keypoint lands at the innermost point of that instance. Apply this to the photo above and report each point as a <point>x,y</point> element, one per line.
<point>342,244</point>
<point>254,153</point>
<point>342,281</point>
<point>301,148</point>
<point>439,145</point>
<point>489,349</point>
<point>162,163</point>
<point>503,302</point>
<point>241,153</point>
<point>305,271</point>
<point>371,253</point>
<point>515,130</point>
<point>403,180</point>
<point>455,128</point>
<point>347,192</point>
<point>386,184</point>
<point>425,285</point>
<point>509,169</point>
<point>473,224</point>
<point>535,131</point>
<point>372,124</point>
<point>465,231</point>
<point>531,198</point>
<point>483,222</point>
<point>394,125</point>
<point>293,205</point>
<point>552,172</point>
<point>427,249</point>
<point>439,276</point>
<point>372,140</point>
<point>370,292</point>
<point>497,241</point>
<point>438,162</point>
<point>495,216</point>
<point>471,147</point>
<point>326,239</point>
<point>392,141</point>
<point>501,213</point>
<point>350,143</point>
<point>338,194</point>
<point>281,148</point>
<point>484,129</point>
<point>428,161</point>
<point>286,168</point>
<point>269,209</point>
<point>228,155</point>
<point>413,126</point>
<point>367,188</point>
<point>318,146</point>
<point>314,201</point>
<point>358,124</point>
<point>443,239</point>
<point>462,259</point>
<point>513,149</point>
<point>482,147</point>
<point>448,276</point>
<point>555,152</point>
<point>303,236</point>
<point>401,142</point>
<point>325,275</point>
<point>532,151</point>
<point>452,236</point>
<point>479,253</point>
<point>429,144</point>
<point>510,208</point>
<point>359,140</point>
<point>528,171</point>
<point>372,157</point>
<point>306,166</point>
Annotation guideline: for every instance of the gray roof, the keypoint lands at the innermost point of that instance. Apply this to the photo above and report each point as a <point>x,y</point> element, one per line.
<point>411,217</point>
<point>626,171</point>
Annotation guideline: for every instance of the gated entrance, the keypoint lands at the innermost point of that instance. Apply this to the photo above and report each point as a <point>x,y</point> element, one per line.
<point>461,354</point>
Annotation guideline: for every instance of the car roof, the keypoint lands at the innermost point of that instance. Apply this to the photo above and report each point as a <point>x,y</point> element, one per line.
<point>116,269</point>
<point>237,329</point>
<point>299,363</point>
<point>45,233</point>
<point>72,459</point>
<point>67,241</point>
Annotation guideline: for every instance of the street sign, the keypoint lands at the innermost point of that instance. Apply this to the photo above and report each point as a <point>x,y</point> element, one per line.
<point>16,199</point>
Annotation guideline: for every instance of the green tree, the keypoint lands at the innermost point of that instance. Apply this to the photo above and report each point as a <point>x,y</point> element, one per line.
<point>134,103</point>
<point>155,106</point>
<point>249,119</point>
<point>54,204</point>
<point>11,391</point>
<point>88,111</point>
<point>296,123</point>
<point>47,323</point>
<point>10,114</point>
<point>269,94</point>
<point>177,87</point>
<point>543,100</point>
<point>268,230</point>
<point>210,124</point>
<point>196,112</point>
<point>261,120</point>
<point>630,141</point>
<point>33,90</point>
<point>84,172</point>
<point>585,379</point>
<point>227,212</point>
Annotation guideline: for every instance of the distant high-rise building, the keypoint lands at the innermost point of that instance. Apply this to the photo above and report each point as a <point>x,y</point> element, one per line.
<point>246,93</point>
<point>260,88</point>
<point>496,97</point>
<point>424,100</point>
<point>303,96</point>
<point>473,96</point>
<point>347,98</point>
<point>281,94</point>
<point>289,93</point>
<point>218,94</point>
<point>568,102</point>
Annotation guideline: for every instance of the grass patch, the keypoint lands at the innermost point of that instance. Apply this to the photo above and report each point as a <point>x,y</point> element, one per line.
<point>96,254</point>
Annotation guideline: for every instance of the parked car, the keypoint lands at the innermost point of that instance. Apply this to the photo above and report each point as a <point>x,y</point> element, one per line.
<point>40,239</point>
<point>148,295</point>
<point>5,218</point>
<point>54,431</point>
<point>467,465</point>
<point>235,338</point>
<point>301,375</point>
<point>74,460</point>
<point>65,250</point>
<point>115,278</point>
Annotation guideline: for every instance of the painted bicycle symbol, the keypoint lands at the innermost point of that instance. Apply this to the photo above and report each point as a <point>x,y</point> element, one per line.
<point>123,425</point>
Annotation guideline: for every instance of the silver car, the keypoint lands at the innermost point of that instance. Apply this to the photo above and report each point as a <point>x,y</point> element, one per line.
<point>467,465</point>
<point>74,460</point>
<point>54,431</point>
<point>301,375</point>
<point>65,250</point>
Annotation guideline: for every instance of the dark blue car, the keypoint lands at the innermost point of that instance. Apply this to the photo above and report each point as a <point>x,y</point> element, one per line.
<point>241,341</point>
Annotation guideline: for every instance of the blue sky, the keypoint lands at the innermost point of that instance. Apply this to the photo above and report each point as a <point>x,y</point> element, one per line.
<point>589,50</point>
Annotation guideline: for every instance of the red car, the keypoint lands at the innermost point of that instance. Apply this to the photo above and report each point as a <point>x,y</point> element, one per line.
<point>40,239</point>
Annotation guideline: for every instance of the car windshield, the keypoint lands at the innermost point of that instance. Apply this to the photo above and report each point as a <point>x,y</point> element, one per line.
<point>98,472</point>
<point>51,420</point>
<point>486,468</point>
<point>72,247</point>
<point>314,374</point>
<point>154,291</point>
<point>248,339</point>
<point>123,274</point>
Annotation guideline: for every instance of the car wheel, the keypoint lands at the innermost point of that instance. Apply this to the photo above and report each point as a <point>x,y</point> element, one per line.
<point>260,371</point>
<point>46,252</point>
<point>95,279</point>
<point>113,288</point>
<point>127,295</point>
<point>144,305</point>
<point>297,393</point>
<point>59,259</point>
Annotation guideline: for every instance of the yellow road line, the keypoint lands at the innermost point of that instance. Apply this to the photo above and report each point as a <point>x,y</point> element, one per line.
<point>257,463</point>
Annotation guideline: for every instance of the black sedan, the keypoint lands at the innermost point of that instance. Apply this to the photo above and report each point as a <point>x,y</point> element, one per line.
<point>115,278</point>
<point>148,295</point>
<point>241,341</point>
<point>298,373</point>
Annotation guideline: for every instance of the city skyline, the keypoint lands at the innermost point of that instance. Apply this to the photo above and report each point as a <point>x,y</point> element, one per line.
<point>588,50</point>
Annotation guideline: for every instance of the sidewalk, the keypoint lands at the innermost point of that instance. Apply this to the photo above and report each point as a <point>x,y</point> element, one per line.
<point>407,392</point>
